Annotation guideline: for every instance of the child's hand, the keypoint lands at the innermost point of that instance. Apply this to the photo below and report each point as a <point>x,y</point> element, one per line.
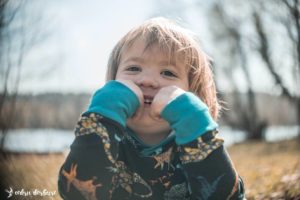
<point>162,98</point>
<point>117,100</point>
<point>137,91</point>
<point>188,116</point>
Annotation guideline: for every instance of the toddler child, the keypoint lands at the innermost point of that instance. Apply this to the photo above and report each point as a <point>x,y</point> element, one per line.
<point>150,131</point>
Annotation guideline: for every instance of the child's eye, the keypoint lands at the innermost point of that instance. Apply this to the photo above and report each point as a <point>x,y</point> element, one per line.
<point>133,68</point>
<point>168,73</point>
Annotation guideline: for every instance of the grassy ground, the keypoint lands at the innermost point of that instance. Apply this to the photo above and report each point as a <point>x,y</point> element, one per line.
<point>31,172</point>
<point>270,171</point>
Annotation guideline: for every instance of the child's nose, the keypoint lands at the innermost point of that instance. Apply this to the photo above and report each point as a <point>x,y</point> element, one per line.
<point>147,80</point>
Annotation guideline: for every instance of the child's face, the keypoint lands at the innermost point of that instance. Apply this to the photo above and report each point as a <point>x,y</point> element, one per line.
<point>150,71</point>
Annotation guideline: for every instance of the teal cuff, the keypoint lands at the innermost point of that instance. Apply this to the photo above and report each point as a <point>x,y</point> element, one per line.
<point>189,117</point>
<point>115,101</point>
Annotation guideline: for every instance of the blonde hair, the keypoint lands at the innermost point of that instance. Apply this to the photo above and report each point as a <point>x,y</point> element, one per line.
<point>174,41</point>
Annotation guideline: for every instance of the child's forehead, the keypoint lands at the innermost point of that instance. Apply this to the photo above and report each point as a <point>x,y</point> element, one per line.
<point>140,48</point>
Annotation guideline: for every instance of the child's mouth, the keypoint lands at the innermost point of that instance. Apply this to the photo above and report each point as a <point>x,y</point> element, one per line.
<point>148,100</point>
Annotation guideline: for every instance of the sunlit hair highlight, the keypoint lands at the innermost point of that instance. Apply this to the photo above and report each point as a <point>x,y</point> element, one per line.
<point>176,43</point>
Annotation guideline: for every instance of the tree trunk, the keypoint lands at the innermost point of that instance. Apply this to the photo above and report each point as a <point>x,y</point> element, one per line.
<point>258,131</point>
<point>298,120</point>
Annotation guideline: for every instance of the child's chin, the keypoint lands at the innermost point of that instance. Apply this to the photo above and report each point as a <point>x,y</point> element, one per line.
<point>147,105</point>
<point>147,122</point>
<point>145,128</point>
<point>144,117</point>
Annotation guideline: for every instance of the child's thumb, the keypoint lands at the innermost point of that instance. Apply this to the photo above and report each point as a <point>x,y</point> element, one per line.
<point>155,111</point>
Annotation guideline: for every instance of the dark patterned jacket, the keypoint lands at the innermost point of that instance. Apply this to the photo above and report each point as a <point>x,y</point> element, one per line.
<point>107,162</point>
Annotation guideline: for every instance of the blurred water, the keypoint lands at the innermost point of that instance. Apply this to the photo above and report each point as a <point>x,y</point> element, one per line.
<point>55,140</point>
<point>231,136</point>
<point>276,133</point>
<point>38,140</point>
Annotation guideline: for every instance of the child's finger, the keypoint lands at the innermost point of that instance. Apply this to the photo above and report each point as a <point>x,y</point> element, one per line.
<point>154,113</point>
<point>156,106</point>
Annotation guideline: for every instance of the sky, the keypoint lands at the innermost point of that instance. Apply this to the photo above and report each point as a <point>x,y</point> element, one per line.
<point>73,58</point>
<point>84,33</point>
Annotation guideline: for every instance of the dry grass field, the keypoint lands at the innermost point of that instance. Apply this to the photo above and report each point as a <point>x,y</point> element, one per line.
<point>269,170</point>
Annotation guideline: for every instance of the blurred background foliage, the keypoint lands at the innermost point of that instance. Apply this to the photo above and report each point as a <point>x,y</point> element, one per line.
<point>255,48</point>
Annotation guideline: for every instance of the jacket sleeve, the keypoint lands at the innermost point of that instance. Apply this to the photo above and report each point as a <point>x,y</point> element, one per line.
<point>209,170</point>
<point>92,170</point>
<point>205,162</point>
<point>88,170</point>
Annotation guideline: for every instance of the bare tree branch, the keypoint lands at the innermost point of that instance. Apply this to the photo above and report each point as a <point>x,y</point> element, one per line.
<point>295,13</point>
<point>264,52</point>
<point>20,33</point>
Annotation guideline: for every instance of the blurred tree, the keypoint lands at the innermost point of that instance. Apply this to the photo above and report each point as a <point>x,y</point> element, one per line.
<point>22,29</point>
<point>225,27</point>
<point>292,24</point>
<point>5,69</point>
<point>260,40</point>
